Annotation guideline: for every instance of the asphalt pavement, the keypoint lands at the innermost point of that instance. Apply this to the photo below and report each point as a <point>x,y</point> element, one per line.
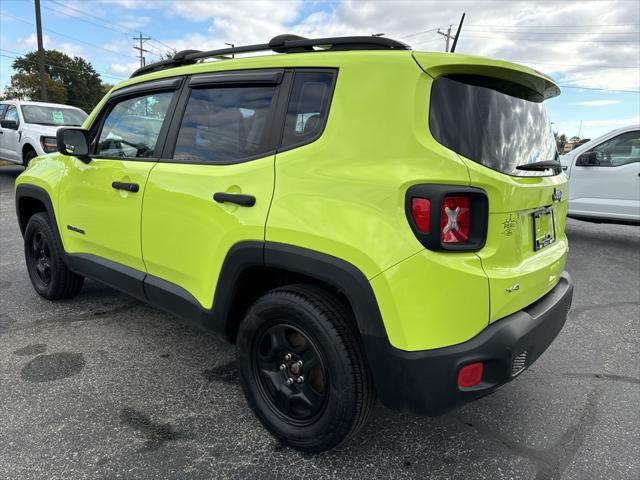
<point>105,387</point>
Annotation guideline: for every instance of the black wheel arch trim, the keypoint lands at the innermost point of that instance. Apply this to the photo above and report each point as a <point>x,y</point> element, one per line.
<point>24,191</point>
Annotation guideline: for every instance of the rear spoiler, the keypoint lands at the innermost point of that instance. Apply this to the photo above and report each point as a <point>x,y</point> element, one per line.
<point>438,64</point>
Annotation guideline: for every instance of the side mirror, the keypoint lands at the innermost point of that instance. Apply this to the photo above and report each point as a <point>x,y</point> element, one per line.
<point>588,159</point>
<point>74,142</point>
<point>9,124</point>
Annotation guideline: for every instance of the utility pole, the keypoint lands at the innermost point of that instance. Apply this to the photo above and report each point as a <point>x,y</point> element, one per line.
<point>140,48</point>
<point>448,36</point>
<point>43,86</point>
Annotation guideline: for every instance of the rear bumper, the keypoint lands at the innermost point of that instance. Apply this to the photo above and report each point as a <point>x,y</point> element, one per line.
<point>426,381</point>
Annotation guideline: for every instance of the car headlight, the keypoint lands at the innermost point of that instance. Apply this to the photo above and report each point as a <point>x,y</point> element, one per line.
<point>49,144</point>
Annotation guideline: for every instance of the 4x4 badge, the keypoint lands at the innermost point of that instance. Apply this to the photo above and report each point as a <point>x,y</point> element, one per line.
<point>557,195</point>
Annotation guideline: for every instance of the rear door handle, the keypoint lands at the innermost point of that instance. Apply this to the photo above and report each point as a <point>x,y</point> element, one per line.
<point>237,198</point>
<point>129,187</point>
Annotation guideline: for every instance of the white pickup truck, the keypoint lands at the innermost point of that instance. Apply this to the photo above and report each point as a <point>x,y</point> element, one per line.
<point>28,129</point>
<point>604,177</point>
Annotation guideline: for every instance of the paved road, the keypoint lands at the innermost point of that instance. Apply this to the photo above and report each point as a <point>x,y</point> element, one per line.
<point>103,386</point>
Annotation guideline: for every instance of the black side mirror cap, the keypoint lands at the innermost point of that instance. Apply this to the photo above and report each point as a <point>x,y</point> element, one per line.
<point>588,159</point>
<point>9,124</point>
<point>74,142</point>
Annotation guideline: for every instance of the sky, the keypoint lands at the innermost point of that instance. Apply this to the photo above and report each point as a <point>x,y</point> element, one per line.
<point>590,47</point>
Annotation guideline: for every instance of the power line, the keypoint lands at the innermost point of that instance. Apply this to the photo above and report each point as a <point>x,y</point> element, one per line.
<point>560,26</point>
<point>475,35</point>
<point>600,89</point>
<point>20,57</point>
<point>67,36</point>
<point>417,33</point>
<point>77,10</point>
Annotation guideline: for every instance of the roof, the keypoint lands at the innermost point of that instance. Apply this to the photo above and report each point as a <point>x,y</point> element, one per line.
<point>39,104</point>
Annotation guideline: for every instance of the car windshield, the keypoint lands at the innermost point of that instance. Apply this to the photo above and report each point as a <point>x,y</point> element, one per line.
<point>491,124</point>
<point>53,115</point>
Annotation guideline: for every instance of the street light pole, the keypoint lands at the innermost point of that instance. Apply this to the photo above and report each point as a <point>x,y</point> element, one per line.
<point>43,86</point>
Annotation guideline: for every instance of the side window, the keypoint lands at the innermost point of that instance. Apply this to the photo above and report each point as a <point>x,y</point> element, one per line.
<point>620,150</point>
<point>308,107</point>
<point>12,114</point>
<point>223,124</point>
<point>133,125</point>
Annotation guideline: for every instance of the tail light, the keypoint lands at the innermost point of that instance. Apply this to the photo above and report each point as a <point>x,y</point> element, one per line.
<point>421,213</point>
<point>448,217</point>
<point>455,219</point>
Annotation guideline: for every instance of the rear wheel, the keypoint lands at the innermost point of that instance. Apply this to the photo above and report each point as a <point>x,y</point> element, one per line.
<point>302,368</point>
<point>49,275</point>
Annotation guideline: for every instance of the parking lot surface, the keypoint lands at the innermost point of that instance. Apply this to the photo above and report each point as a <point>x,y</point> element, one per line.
<point>103,386</point>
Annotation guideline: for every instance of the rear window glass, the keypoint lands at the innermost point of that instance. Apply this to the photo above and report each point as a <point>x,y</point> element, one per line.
<point>308,107</point>
<point>495,129</point>
<point>224,124</point>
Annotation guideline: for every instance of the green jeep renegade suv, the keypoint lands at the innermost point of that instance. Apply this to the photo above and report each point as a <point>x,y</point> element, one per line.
<point>359,218</point>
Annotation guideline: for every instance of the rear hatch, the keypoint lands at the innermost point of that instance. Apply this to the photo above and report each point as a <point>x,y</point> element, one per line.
<point>492,114</point>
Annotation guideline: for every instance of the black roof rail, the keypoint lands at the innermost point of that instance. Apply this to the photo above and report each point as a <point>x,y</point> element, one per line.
<point>279,44</point>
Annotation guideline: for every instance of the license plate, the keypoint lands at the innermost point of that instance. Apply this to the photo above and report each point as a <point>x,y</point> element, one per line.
<point>544,231</point>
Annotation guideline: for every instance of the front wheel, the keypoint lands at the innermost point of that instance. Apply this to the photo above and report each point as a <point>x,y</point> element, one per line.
<point>302,368</point>
<point>30,155</point>
<point>48,273</point>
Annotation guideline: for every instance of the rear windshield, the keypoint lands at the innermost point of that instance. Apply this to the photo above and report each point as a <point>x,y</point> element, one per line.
<point>477,118</point>
<point>53,115</point>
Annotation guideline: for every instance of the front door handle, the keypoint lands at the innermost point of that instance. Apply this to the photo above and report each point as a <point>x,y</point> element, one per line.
<point>129,187</point>
<point>237,198</point>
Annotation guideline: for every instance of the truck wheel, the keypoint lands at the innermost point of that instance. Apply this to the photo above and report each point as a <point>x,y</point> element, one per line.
<point>48,273</point>
<point>302,368</point>
<point>28,156</point>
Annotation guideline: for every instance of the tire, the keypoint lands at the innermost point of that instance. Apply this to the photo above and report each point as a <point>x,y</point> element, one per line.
<point>335,396</point>
<point>49,275</point>
<point>30,155</point>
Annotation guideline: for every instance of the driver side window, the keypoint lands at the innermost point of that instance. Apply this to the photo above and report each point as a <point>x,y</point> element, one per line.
<point>132,127</point>
<point>620,150</point>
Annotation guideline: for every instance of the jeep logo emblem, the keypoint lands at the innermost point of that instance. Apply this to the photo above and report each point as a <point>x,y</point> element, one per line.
<point>557,195</point>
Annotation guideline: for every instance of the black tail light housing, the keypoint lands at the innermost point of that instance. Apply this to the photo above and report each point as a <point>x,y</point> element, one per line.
<point>457,216</point>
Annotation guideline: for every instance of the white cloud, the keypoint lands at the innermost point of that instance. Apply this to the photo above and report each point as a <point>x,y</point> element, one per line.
<point>596,103</point>
<point>560,38</point>
<point>31,43</point>
<point>613,122</point>
<point>123,69</point>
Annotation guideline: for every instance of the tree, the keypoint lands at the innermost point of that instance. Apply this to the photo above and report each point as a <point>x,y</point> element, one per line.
<point>69,80</point>
<point>561,141</point>
<point>26,86</point>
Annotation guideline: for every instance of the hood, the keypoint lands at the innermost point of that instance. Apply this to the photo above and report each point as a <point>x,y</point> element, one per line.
<point>35,130</point>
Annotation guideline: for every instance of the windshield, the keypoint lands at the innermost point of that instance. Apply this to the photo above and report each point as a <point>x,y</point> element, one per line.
<point>53,115</point>
<point>473,117</point>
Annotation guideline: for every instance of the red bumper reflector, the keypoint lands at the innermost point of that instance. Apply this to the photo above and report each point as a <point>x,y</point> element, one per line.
<point>421,213</point>
<point>470,375</point>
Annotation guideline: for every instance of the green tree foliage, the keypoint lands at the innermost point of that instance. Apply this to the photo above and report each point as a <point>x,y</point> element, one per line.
<point>71,81</point>
<point>561,140</point>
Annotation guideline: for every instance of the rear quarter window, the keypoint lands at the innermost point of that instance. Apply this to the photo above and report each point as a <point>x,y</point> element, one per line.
<point>308,107</point>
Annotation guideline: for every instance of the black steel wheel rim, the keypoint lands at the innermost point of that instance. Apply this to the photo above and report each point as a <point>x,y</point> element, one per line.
<point>290,373</point>
<point>41,257</point>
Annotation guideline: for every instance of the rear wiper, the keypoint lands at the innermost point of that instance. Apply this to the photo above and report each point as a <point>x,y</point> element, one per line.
<point>540,166</point>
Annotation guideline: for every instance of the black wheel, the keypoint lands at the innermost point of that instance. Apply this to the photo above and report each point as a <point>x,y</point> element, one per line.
<point>302,368</point>
<point>28,156</point>
<point>49,275</point>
